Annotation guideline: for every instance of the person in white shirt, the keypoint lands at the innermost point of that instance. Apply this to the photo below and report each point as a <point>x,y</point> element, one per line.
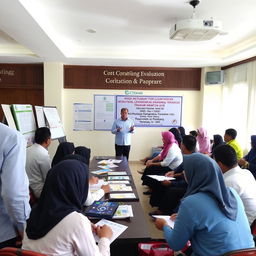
<point>239,179</point>
<point>169,159</point>
<point>57,225</point>
<point>14,193</point>
<point>38,161</point>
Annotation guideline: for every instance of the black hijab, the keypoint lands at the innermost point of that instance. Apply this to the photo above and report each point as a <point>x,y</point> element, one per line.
<point>84,152</point>
<point>177,135</point>
<point>65,190</point>
<point>182,131</point>
<point>217,141</point>
<point>64,148</point>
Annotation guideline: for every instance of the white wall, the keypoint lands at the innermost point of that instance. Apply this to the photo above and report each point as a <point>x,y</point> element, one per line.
<point>102,142</point>
<point>211,105</point>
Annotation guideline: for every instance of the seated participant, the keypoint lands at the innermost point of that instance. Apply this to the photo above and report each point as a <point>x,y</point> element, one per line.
<point>203,141</point>
<point>193,133</point>
<point>217,141</point>
<point>169,159</point>
<point>211,215</point>
<point>182,131</point>
<point>95,194</point>
<point>249,161</point>
<point>57,225</point>
<point>230,139</point>
<point>240,180</point>
<point>167,194</point>
<point>64,148</point>
<point>85,152</point>
<point>177,135</point>
<point>38,161</point>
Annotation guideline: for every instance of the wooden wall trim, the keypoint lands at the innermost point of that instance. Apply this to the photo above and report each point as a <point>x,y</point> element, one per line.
<point>133,78</point>
<point>239,63</point>
<point>29,76</point>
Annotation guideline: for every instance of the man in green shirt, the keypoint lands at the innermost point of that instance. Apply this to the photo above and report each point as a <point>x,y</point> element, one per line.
<point>230,139</point>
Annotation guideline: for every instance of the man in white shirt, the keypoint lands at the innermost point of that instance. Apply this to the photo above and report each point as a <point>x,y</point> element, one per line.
<point>38,161</point>
<point>239,179</point>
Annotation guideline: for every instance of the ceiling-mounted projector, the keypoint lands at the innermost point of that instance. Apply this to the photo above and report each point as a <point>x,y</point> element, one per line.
<point>195,30</point>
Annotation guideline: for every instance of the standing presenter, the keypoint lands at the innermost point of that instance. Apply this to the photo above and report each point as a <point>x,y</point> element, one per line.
<point>122,128</point>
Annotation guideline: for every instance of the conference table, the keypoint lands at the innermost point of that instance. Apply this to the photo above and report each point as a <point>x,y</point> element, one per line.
<point>137,231</point>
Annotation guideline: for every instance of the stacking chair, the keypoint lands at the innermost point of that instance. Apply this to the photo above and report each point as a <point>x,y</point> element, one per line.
<point>12,251</point>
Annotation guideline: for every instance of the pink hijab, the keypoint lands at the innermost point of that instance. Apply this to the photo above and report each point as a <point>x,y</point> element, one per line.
<point>168,139</point>
<point>203,141</point>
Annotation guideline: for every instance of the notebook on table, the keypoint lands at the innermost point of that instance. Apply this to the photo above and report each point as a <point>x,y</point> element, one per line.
<point>101,209</point>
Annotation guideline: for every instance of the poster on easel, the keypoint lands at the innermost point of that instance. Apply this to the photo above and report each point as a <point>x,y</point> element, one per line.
<point>40,117</point>
<point>8,116</point>
<point>25,121</point>
<point>54,122</point>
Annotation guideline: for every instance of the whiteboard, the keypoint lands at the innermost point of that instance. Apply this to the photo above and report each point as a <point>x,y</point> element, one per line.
<point>8,115</point>
<point>104,112</point>
<point>53,119</point>
<point>152,111</point>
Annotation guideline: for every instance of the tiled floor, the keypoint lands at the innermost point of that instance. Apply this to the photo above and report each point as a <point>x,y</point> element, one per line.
<point>144,200</point>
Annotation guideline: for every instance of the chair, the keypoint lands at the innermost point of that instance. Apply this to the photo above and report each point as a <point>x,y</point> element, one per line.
<point>242,252</point>
<point>253,228</point>
<point>12,251</point>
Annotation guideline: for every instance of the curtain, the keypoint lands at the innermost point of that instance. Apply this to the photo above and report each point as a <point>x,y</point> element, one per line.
<point>239,102</point>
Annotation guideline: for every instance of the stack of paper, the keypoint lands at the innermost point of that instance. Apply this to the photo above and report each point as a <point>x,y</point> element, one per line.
<point>117,173</point>
<point>160,177</point>
<point>123,212</point>
<point>117,229</point>
<point>166,218</point>
<point>109,161</point>
<point>108,166</point>
<point>100,172</point>
<point>120,187</point>
<point>119,182</point>
<point>118,178</point>
<point>122,196</point>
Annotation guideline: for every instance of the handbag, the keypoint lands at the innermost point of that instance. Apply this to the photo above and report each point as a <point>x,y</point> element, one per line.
<point>162,249</point>
<point>159,248</point>
<point>155,249</point>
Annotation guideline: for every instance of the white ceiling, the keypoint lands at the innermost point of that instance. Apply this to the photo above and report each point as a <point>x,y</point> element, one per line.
<point>128,33</point>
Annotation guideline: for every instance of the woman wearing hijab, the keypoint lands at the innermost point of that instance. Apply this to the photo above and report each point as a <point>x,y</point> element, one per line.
<point>182,131</point>
<point>56,225</point>
<point>211,215</point>
<point>217,141</point>
<point>84,152</point>
<point>169,159</point>
<point>176,134</point>
<point>64,148</point>
<point>93,195</point>
<point>203,141</point>
<point>249,161</point>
